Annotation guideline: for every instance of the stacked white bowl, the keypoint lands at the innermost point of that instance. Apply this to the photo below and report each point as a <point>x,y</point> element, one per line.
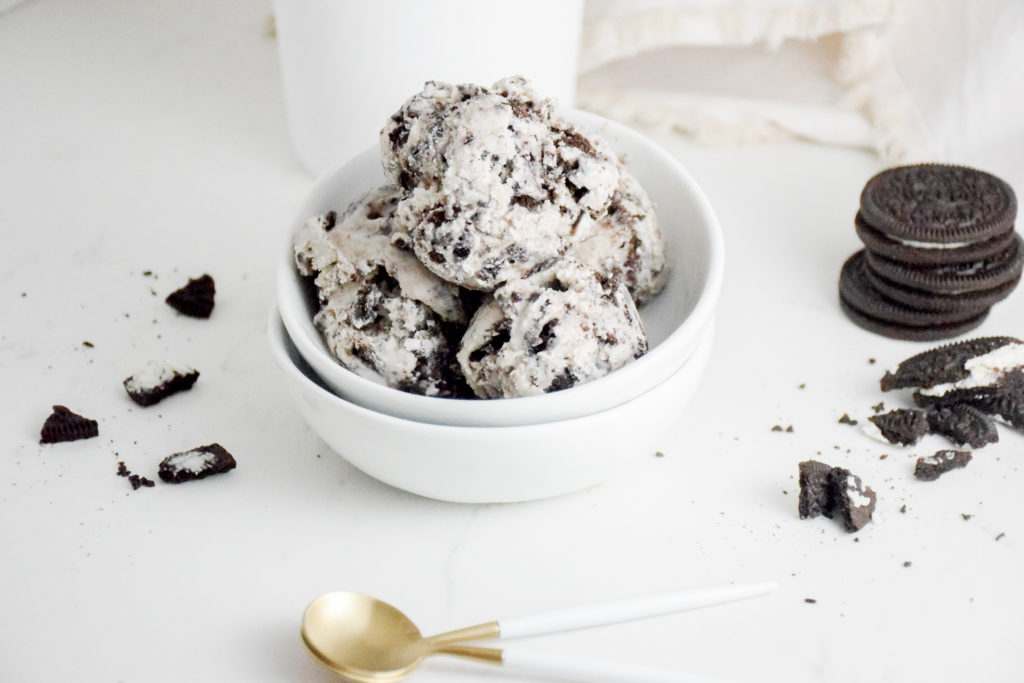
<point>504,450</point>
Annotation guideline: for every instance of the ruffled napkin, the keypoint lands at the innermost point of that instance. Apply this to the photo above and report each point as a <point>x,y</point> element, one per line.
<point>910,79</point>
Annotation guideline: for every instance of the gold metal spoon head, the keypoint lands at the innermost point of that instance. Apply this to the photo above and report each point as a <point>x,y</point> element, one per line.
<point>362,638</point>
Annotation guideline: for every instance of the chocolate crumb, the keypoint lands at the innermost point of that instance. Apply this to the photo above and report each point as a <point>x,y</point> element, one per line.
<point>659,454</point>
<point>789,428</point>
<point>846,420</point>
<point>903,509</point>
<point>777,428</point>
<point>1000,535</point>
<point>810,601</point>
<point>878,407</point>
<point>871,361</point>
<point>907,563</point>
<point>965,516</point>
<point>88,344</point>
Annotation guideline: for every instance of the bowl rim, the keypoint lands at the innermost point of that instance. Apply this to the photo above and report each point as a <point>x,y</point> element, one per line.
<point>671,353</point>
<point>278,337</point>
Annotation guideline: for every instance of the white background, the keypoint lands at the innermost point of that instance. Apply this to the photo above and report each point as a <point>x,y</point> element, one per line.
<point>151,136</point>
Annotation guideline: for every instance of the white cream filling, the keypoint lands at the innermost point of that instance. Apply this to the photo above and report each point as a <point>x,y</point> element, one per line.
<point>193,461</point>
<point>155,374</point>
<point>854,494</point>
<point>985,370</point>
<point>933,245</point>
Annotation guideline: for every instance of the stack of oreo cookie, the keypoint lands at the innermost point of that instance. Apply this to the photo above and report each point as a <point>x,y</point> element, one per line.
<point>940,249</point>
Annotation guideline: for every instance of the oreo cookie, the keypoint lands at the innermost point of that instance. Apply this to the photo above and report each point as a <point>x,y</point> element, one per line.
<point>834,492</point>
<point>940,250</point>
<point>963,424</point>
<point>938,204</point>
<point>64,425</point>
<point>197,463</point>
<point>928,254</point>
<point>195,299</point>
<point>954,278</point>
<point>157,381</point>
<point>869,308</point>
<point>934,466</point>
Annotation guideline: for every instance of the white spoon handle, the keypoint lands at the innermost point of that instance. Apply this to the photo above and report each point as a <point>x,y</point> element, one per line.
<point>617,611</point>
<point>564,668</point>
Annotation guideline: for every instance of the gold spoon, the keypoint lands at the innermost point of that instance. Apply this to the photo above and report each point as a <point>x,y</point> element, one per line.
<point>369,641</point>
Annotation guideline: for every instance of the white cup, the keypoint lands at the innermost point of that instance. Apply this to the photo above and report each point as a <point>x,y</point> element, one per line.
<point>349,64</point>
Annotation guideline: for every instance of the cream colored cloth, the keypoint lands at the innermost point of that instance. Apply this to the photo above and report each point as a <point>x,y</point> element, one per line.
<point>911,79</point>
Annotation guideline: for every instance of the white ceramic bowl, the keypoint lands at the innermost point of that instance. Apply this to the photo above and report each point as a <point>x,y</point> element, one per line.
<point>489,464</point>
<point>676,320</point>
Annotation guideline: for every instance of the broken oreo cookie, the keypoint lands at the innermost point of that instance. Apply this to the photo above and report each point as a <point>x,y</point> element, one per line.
<point>197,463</point>
<point>963,424</point>
<point>157,381</point>
<point>64,425</point>
<point>194,299</point>
<point>900,426</point>
<point>836,493</point>
<point>934,466</point>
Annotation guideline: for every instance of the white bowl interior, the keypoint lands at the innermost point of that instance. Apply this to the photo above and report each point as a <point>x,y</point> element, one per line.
<point>675,320</point>
<point>489,464</point>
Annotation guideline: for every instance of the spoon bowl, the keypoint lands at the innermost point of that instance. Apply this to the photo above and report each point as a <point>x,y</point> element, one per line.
<point>361,637</point>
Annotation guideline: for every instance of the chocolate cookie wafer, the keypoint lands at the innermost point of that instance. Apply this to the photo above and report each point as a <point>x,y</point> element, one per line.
<point>938,204</point>
<point>929,253</point>
<point>869,308</point>
<point>954,278</point>
<point>930,301</point>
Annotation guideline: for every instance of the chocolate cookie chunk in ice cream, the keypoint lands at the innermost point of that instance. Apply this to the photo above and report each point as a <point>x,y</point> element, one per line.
<point>563,326</point>
<point>382,314</point>
<point>495,183</point>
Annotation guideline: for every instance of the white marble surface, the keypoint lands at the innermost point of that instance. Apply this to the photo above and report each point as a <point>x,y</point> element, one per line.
<point>150,136</point>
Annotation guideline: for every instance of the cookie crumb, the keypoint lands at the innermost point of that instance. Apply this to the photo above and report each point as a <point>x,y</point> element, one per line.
<point>659,454</point>
<point>907,563</point>
<point>966,517</point>
<point>776,428</point>
<point>878,407</point>
<point>1000,536</point>
<point>846,420</point>
<point>88,344</point>
<point>810,601</point>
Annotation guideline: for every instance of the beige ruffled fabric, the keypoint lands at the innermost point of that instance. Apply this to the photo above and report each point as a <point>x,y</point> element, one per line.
<point>910,79</point>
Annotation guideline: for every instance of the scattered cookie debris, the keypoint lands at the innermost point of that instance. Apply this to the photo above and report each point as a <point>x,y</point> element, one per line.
<point>659,454</point>
<point>197,463</point>
<point>834,492</point>
<point>135,480</point>
<point>934,466</point>
<point>966,517</point>
<point>88,344</point>
<point>194,299</point>
<point>776,428</point>
<point>903,509</point>
<point>810,601</point>
<point>1000,536</point>
<point>64,425</point>
<point>157,381</point>
<point>847,420</point>
<point>878,407</point>
<point>907,563</point>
